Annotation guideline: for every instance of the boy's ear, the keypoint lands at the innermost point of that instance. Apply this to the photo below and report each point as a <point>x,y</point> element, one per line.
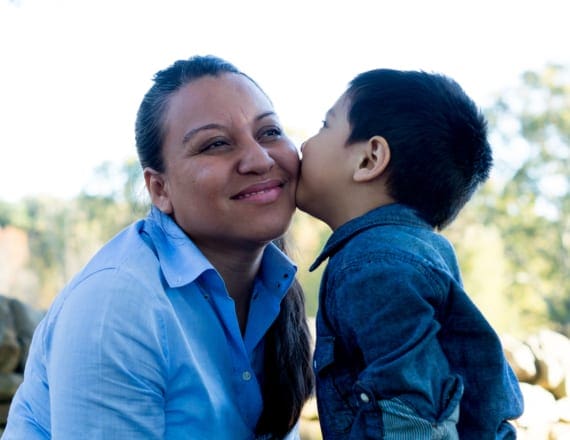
<point>158,189</point>
<point>373,160</point>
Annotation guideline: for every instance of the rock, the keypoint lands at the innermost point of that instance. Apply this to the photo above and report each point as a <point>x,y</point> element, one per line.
<point>520,357</point>
<point>309,427</point>
<point>17,324</point>
<point>563,409</point>
<point>9,346</point>
<point>25,320</point>
<point>540,413</point>
<point>552,352</point>
<point>4,408</point>
<point>310,430</point>
<point>9,382</point>
<point>310,411</point>
<point>559,431</point>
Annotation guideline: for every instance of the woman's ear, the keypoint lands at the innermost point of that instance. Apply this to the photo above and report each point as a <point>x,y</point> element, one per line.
<point>374,158</point>
<point>158,189</point>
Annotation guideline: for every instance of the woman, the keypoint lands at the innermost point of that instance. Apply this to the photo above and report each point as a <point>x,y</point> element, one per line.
<point>189,323</point>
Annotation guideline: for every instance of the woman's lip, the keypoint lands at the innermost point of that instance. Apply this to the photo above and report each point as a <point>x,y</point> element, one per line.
<point>259,189</point>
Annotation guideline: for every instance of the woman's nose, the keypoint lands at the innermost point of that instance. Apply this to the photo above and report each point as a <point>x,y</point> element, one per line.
<point>255,159</point>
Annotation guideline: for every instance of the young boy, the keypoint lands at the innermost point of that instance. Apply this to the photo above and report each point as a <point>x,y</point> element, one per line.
<point>401,351</point>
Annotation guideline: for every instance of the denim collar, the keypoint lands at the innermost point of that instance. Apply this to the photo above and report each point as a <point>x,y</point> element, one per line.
<point>392,214</point>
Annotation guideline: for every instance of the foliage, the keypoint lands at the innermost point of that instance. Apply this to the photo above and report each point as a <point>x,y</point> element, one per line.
<point>486,268</point>
<point>532,206</point>
<point>512,239</point>
<point>4,214</point>
<point>63,235</point>
<point>308,238</point>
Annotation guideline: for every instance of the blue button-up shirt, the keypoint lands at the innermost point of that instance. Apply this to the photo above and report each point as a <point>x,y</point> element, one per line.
<point>394,322</point>
<point>144,343</point>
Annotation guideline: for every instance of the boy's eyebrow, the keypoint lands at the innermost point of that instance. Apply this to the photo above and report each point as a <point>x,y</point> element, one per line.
<point>190,133</point>
<point>330,113</point>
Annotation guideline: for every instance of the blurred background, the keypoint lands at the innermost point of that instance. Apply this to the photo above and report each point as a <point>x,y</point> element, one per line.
<point>73,74</point>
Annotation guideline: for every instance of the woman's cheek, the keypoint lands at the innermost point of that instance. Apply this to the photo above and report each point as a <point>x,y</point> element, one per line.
<point>293,162</point>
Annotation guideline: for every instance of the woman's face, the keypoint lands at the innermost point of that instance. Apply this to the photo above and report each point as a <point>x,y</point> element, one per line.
<point>230,171</point>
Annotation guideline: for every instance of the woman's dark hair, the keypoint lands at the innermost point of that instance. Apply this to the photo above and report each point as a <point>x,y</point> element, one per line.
<point>149,125</point>
<point>439,153</point>
<point>288,374</point>
<point>288,378</point>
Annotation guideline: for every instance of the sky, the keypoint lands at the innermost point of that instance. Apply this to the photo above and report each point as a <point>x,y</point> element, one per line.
<point>73,72</point>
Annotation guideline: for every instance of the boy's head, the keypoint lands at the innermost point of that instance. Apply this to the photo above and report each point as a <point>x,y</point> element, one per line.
<point>396,136</point>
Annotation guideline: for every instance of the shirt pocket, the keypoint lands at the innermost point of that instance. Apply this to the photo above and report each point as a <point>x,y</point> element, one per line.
<point>333,389</point>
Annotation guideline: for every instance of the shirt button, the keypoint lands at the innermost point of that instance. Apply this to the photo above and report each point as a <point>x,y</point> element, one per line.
<point>246,375</point>
<point>364,397</point>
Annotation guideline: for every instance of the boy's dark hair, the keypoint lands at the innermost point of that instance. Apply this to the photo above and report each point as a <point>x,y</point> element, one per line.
<point>439,152</point>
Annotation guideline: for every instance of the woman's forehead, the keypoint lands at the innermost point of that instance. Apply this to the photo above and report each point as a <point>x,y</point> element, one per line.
<point>223,94</point>
<point>225,101</point>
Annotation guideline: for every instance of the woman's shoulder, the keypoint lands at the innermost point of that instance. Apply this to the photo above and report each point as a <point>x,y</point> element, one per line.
<point>123,270</point>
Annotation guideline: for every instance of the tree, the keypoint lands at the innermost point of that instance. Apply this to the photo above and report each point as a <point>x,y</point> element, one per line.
<point>531,126</point>
<point>64,234</point>
<point>4,214</point>
<point>308,237</point>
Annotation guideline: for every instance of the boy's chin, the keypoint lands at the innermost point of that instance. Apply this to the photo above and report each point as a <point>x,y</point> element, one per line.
<point>309,209</point>
<point>301,198</point>
<point>301,205</point>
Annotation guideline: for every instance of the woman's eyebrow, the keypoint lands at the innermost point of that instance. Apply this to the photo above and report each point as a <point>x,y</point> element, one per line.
<point>190,133</point>
<point>265,115</point>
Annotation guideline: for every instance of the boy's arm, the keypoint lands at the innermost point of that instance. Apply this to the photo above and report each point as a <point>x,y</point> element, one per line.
<point>388,312</point>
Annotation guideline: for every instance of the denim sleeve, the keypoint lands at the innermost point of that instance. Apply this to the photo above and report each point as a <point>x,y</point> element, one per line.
<point>387,310</point>
<point>106,360</point>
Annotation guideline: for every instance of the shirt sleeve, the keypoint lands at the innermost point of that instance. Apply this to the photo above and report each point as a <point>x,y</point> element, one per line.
<point>388,312</point>
<point>107,361</point>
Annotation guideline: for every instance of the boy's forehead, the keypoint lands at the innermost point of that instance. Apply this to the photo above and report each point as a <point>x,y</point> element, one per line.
<point>340,107</point>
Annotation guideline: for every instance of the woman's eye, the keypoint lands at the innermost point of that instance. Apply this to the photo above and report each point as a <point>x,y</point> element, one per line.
<point>325,125</point>
<point>271,133</point>
<point>213,145</point>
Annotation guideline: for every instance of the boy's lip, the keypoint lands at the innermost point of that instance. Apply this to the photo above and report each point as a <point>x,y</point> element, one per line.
<point>259,188</point>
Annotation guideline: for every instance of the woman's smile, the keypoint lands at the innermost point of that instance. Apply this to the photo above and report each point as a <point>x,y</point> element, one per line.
<point>234,179</point>
<point>265,192</point>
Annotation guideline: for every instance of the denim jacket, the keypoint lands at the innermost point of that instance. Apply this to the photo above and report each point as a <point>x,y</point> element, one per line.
<point>395,325</point>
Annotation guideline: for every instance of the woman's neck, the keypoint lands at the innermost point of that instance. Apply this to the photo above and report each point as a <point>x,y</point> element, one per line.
<point>238,268</point>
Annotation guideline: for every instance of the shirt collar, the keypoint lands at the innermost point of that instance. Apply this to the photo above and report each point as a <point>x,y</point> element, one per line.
<point>182,262</point>
<point>392,214</point>
<point>277,270</point>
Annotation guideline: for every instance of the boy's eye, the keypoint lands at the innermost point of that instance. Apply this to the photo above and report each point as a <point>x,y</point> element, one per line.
<point>325,125</point>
